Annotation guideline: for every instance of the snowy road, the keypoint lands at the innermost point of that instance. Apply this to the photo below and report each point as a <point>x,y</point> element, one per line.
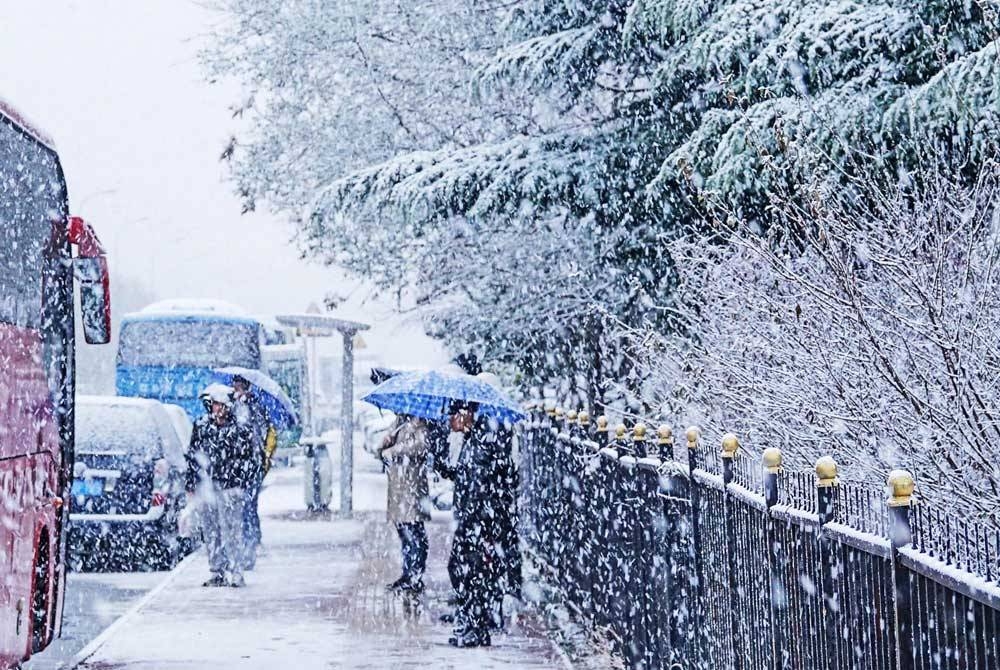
<point>93,602</point>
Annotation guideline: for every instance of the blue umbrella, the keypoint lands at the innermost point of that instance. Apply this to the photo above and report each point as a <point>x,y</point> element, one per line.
<point>280,410</point>
<point>428,394</point>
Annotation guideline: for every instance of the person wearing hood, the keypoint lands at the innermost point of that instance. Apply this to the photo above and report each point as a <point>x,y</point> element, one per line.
<point>222,464</point>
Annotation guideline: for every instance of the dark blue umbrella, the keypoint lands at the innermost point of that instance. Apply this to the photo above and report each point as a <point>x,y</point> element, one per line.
<point>280,410</point>
<point>428,394</point>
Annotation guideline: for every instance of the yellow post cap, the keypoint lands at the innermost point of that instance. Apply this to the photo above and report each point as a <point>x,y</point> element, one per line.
<point>772,460</point>
<point>665,434</point>
<point>620,431</point>
<point>901,487</point>
<point>639,432</point>
<point>730,445</point>
<point>693,434</point>
<point>559,412</point>
<point>602,424</point>
<point>571,416</point>
<point>583,418</point>
<point>826,472</point>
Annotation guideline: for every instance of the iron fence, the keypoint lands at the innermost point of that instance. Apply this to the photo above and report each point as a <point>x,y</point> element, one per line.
<point>697,559</point>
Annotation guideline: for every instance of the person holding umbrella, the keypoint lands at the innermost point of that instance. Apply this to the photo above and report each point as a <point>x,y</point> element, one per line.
<point>250,412</point>
<point>221,465</point>
<point>475,409</point>
<point>404,453</point>
<point>478,533</point>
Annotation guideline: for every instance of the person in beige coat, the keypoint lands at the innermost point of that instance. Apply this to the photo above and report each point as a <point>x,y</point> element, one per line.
<point>404,452</point>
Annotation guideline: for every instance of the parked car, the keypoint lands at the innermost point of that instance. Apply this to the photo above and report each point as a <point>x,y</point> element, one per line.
<point>128,486</point>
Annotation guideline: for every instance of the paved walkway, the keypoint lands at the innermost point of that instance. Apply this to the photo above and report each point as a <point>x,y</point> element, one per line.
<point>316,601</point>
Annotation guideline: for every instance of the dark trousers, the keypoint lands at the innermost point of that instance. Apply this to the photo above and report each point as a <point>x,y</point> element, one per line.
<point>455,566</point>
<point>413,541</point>
<point>251,523</point>
<point>475,567</point>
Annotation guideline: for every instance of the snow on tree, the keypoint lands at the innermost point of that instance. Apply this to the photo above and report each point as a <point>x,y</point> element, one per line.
<point>757,76</point>
<point>520,181</point>
<point>520,170</point>
<point>860,324</point>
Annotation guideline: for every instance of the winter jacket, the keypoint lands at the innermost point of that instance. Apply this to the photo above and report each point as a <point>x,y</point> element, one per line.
<point>477,490</point>
<point>405,455</point>
<point>485,503</point>
<point>227,454</point>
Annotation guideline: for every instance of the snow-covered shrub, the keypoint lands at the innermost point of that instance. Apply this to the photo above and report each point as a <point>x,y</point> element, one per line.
<point>863,324</point>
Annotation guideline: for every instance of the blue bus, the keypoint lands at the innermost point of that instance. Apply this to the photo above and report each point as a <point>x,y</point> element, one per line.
<point>168,350</point>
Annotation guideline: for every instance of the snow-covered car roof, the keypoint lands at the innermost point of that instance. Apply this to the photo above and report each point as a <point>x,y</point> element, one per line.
<point>170,438</point>
<point>115,400</point>
<point>194,306</point>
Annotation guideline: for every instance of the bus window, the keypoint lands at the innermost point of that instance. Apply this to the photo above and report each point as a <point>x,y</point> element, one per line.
<point>189,343</point>
<point>30,194</point>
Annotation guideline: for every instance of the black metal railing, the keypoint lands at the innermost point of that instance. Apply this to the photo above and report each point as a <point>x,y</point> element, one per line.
<point>688,561</point>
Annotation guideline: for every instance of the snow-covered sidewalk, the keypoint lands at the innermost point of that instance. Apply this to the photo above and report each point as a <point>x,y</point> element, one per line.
<point>316,600</point>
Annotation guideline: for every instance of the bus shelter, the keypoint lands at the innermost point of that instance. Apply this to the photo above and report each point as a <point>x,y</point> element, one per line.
<point>313,326</point>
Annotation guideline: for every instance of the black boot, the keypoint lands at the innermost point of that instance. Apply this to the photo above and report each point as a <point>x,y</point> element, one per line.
<point>406,584</point>
<point>217,579</point>
<point>466,637</point>
<point>398,585</point>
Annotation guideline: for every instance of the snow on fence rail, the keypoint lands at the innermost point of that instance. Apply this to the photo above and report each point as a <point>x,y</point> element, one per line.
<point>721,563</point>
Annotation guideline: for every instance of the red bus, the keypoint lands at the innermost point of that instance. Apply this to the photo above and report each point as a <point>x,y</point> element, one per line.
<point>37,267</point>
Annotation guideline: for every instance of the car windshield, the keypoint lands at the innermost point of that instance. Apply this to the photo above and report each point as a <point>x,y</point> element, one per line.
<point>189,343</point>
<point>117,428</point>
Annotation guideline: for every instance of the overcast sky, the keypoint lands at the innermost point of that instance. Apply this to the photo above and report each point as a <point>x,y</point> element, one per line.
<point>117,84</point>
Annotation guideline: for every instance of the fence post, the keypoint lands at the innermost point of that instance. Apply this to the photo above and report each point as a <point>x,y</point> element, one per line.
<point>778,597</point>
<point>673,573</point>
<point>900,500</point>
<point>584,521</point>
<point>826,501</point>
<point>601,436</point>
<point>730,446</point>
<point>583,516</point>
<point>661,554</point>
<point>693,434</point>
<point>599,560</point>
<point>638,574</point>
<point>564,511</point>
<point>618,584</point>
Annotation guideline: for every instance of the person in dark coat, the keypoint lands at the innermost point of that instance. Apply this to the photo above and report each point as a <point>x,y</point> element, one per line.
<point>477,543</point>
<point>438,453</point>
<point>222,463</point>
<point>505,478</point>
<point>250,411</point>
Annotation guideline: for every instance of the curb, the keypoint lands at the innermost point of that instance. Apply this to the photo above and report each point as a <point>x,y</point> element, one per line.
<point>95,645</point>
